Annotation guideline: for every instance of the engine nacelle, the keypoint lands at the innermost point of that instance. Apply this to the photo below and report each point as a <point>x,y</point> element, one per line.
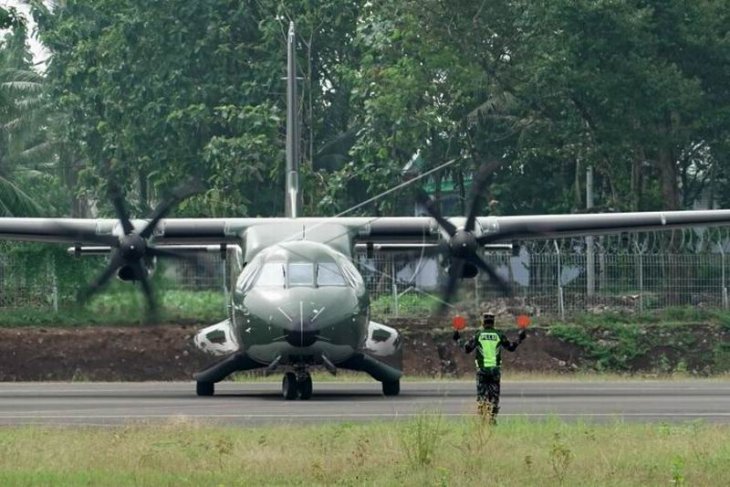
<point>126,273</point>
<point>218,339</point>
<point>383,341</point>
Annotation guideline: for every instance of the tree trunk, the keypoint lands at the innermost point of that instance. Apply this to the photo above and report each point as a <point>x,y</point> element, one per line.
<point>668,179</point>
<point>636,180</point>
<point>578,192</point>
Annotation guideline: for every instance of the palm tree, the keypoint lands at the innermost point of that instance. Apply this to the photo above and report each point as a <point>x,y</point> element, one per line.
<point>25,147</point>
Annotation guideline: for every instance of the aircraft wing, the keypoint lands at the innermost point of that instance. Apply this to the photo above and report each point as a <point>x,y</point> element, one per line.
<point>106,231</point>
<point>508,228</point>
<point>417,230</point>
<point>561,226</point>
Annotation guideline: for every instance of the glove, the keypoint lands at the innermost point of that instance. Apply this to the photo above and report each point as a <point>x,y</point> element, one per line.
<point>522,335</point>
<point>456,336</point>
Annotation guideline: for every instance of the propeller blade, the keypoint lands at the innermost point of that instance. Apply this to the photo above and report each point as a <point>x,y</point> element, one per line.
<point>431,209</point>
<point>143,277</point>
<point>121,209</point>
<point>455,271</point>
<point>116,262</point>
<point>493,276</point>
<point>477,190</point>
<point>178,194</point>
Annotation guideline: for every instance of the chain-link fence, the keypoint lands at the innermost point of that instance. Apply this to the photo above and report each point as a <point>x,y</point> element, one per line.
<point>561,278</point>
<point>557,278</point>
<point>556,284</point>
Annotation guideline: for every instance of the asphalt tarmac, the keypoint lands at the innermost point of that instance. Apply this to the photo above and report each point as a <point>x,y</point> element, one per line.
<point>87,403</point>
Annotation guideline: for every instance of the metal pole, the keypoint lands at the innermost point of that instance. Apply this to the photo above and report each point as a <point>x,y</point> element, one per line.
<point>561,301</point>
<point>590,258</point>
<point>724,283</point>
<point>225,284</point>
<point>640,258</point>
<point>395,286</point>
<point>54,283</point>
<point>293,195</point>
<point>476,292</point>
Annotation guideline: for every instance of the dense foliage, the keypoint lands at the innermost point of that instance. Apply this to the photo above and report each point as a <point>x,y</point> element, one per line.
<point>151,93</point>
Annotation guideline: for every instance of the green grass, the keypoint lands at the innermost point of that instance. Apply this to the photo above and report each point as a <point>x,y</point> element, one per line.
<point>427,450</point>
<point>125,308</point>
<point>410,304</point>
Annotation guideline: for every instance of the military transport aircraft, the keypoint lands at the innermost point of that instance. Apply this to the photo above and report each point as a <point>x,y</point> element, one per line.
<point>299,301</point>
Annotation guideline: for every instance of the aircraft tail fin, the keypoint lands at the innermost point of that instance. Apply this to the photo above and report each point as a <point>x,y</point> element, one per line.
<point>293,203</point>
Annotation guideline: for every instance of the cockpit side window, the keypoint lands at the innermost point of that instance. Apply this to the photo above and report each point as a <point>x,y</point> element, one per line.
<point>245,280</point>
<point>328,274</point>
<point>272,275</point>
<point>301,274</point>
<point>351,273</point>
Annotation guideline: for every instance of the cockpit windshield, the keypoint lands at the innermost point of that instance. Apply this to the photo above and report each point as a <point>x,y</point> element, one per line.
<point>301,274</point>
<point>328,274</point>
<point>272,275</point>
<point>297,274</point>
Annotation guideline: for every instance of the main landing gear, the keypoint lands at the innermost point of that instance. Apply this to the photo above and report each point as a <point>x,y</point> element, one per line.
<point>391,388</point>
<point>205,388</point>
<point>297,384</point>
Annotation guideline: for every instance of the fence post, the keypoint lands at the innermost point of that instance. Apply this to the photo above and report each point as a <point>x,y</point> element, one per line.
<point>54,282</point>
<point>724,283</point>
<point>640,275</point>
<point>224,274</point>
<point>394,285</point>
<point>476,292</point>
<point>561,302</point>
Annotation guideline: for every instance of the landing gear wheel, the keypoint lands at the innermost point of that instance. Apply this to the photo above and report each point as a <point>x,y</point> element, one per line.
<point>289,386</point>
<point>391,388</point>
<point>304,385</point>
<point>205,388</point>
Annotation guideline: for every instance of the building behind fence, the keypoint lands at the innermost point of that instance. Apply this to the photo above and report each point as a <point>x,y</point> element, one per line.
<point>629,273</point>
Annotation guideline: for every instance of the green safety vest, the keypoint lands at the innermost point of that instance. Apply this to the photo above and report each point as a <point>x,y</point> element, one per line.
<point>489,343</point>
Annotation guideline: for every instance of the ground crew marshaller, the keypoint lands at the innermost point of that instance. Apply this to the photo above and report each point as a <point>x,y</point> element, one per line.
<point>488,343</point>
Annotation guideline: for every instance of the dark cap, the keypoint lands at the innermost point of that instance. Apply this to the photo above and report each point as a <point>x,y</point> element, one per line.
<point>488,316</point>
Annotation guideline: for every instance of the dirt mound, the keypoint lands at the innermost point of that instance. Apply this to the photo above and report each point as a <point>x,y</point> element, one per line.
<point>99,353</point>
<point>436,354</point>
<point>166,352</point>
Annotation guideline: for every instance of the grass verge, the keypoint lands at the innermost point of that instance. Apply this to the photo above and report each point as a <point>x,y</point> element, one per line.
<point>125,308</point>
<point>427,450</point>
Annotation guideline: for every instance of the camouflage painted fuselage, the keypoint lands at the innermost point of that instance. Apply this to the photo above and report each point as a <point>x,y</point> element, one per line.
<point>274,320</point>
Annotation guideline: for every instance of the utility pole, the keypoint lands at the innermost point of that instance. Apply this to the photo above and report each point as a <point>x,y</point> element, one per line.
<point>590,258</point>
<point>293,192</point>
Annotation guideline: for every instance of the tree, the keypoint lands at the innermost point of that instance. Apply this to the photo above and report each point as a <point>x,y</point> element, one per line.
<point>158,92</point>
<point>20,118</point>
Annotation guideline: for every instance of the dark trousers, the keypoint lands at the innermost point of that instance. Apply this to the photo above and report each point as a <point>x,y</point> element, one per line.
<point>488,387</point>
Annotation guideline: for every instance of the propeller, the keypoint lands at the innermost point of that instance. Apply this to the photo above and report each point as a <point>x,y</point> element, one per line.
<point>132,254</point>
<point>462,245</point>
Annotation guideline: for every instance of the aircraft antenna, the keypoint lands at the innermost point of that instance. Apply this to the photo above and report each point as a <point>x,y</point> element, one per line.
<point>293,201</point>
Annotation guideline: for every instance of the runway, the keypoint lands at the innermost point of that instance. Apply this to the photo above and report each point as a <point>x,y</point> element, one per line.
<point>256,403</point>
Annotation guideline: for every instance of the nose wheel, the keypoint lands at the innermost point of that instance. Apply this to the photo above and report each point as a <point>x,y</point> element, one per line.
<point>296,385</point>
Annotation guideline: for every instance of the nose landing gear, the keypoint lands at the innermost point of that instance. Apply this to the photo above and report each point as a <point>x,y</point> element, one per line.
<point>297,384</point>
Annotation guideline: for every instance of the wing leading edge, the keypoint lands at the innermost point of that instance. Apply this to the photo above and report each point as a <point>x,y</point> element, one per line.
<point>362,229</point>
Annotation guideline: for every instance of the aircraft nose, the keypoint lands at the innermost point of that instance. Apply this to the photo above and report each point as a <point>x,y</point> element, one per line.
<point>301,314</point>
<point>303,337</point>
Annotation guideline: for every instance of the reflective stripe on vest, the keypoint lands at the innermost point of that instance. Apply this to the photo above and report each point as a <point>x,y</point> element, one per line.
<point>489,343</point>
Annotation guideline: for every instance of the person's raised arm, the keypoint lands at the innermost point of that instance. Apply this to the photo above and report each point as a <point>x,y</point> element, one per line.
<point>467,346</point>
<point>512,346</point>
